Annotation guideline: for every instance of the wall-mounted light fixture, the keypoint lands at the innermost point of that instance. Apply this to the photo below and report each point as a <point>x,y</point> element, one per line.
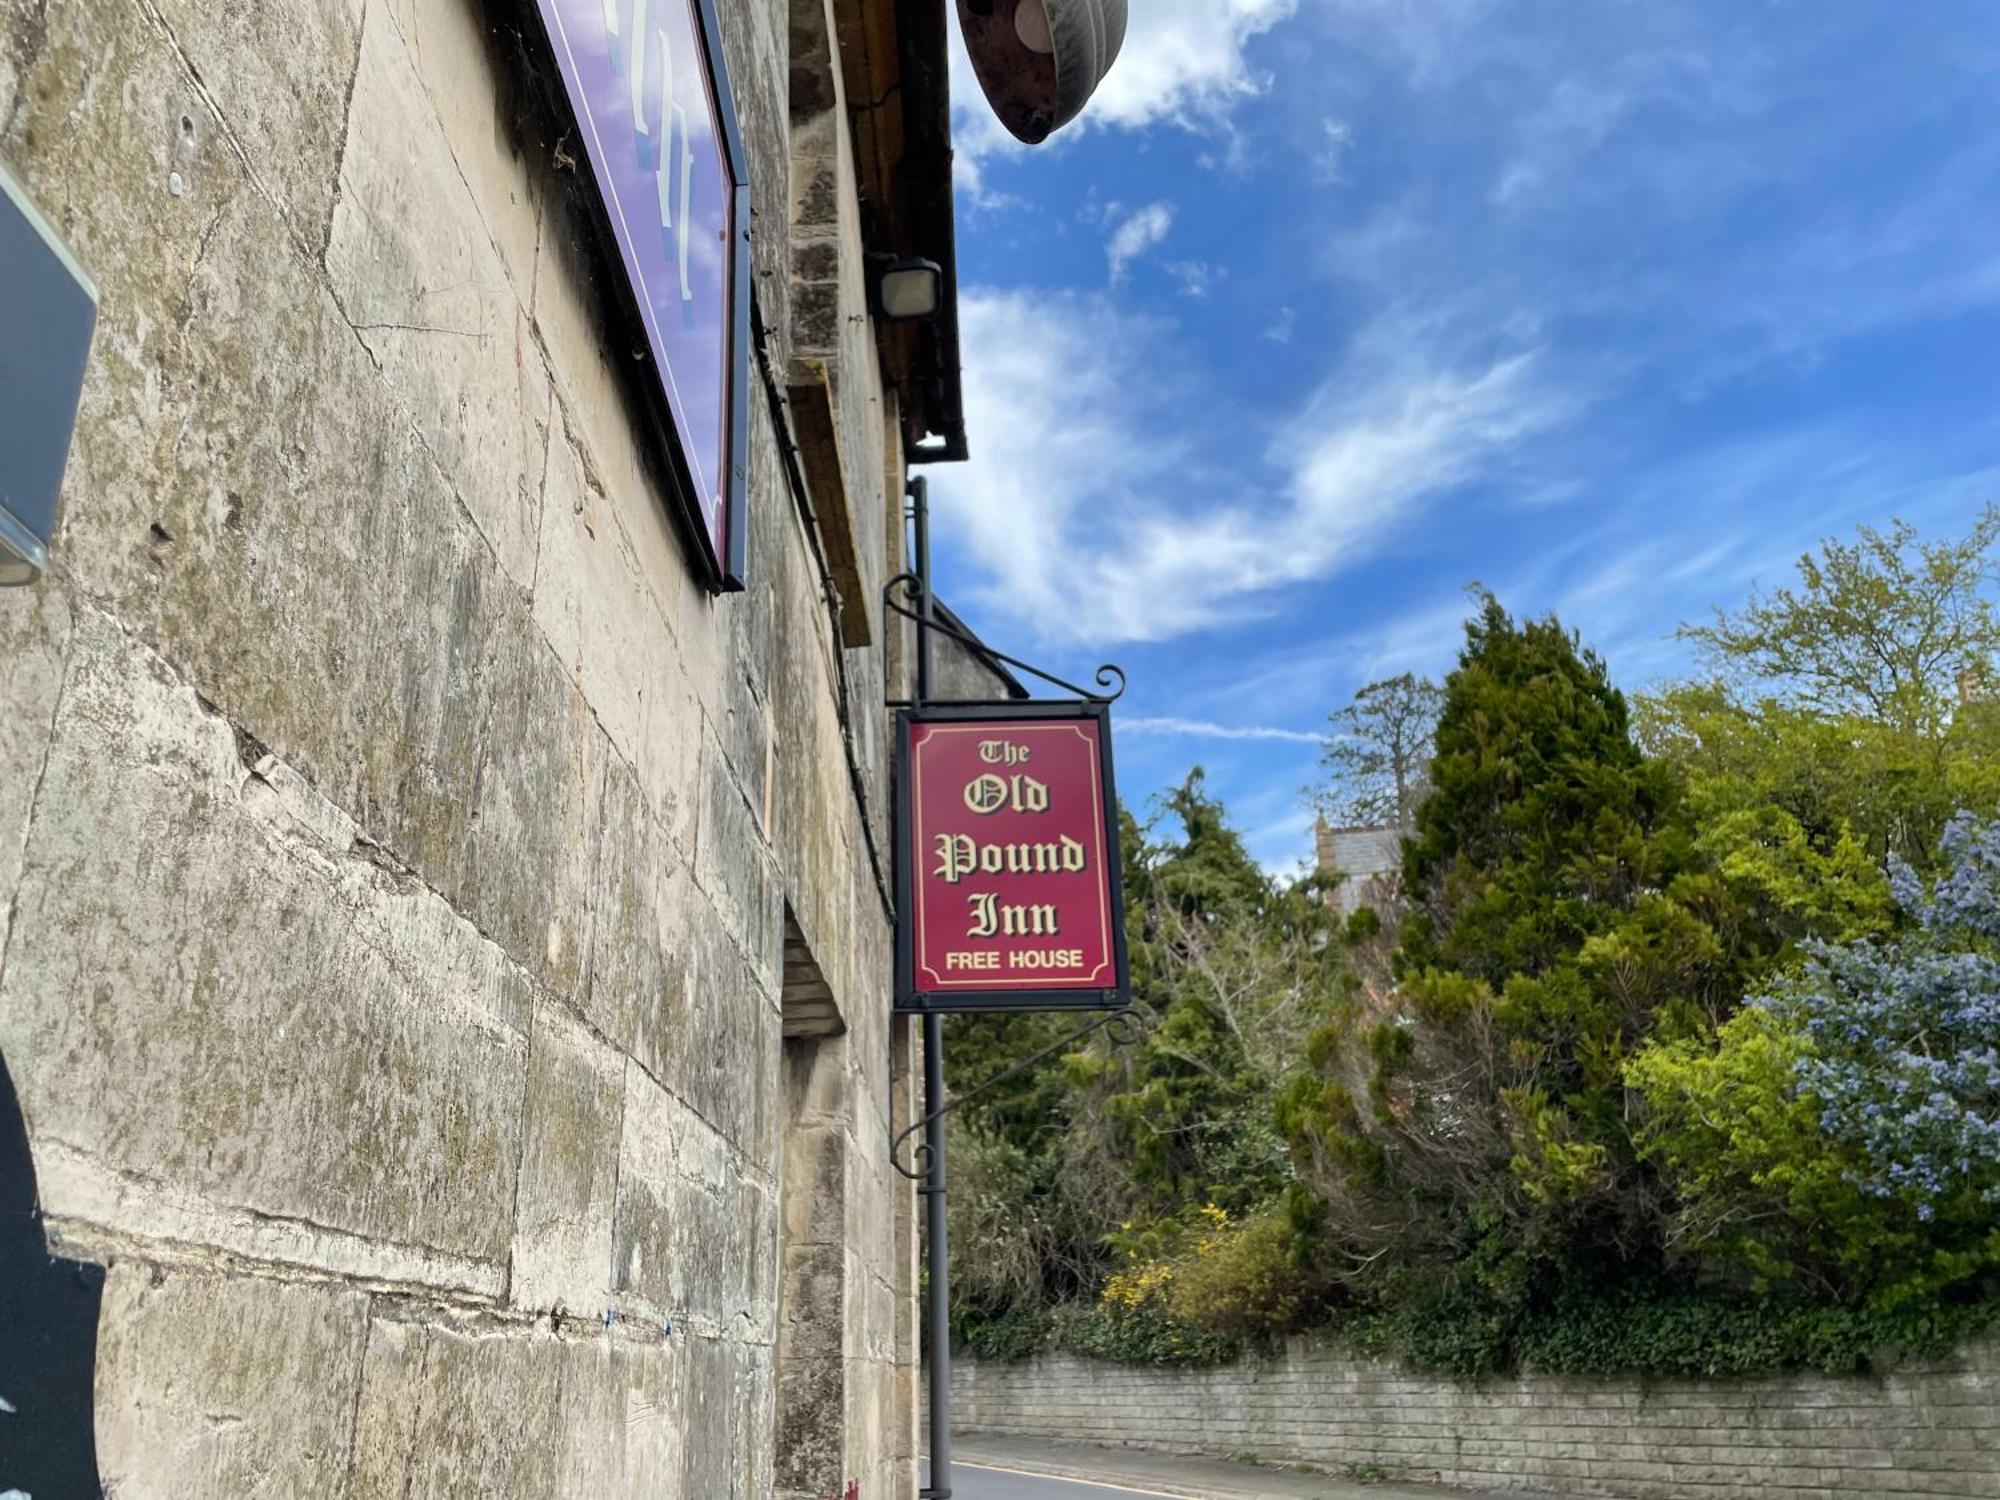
<point>1039,61</point>
<point>905,291</point>
<point>48,309</point>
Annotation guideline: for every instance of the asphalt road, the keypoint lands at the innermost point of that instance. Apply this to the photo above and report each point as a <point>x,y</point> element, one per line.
<point>970,1483</point>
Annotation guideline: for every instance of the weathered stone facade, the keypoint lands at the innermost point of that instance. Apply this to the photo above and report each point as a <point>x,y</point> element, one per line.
<point>407,868</point>
<point>1923,1432</point>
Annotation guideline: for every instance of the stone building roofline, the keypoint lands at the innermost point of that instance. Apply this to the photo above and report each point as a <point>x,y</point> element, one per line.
<point>897,68</point>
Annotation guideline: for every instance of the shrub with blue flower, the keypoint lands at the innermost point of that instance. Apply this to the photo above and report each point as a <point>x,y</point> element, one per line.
<point>1904,1055</point>
<point>1841,1136</point>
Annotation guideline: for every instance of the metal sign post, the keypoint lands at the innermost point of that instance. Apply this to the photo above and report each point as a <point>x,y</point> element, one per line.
<point>1009,896</point>
<point>937,1319</point>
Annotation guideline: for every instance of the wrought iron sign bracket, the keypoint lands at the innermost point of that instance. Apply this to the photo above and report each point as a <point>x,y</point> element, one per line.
<point>1108,676</point>
<point>1122,1028</point>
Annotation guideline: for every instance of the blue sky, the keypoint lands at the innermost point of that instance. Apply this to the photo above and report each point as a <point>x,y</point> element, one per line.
<point>1329,308</point>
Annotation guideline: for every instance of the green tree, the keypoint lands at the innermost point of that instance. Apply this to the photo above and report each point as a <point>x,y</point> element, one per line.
<point>1231,970</point>
<point>1466,1123</point>
<point>1544,821</point>
<point>1376,765</point>
<point>1795,809</point>
<point>1844,722</point>
<point>1841,1135</point>
<point>1888,628</point>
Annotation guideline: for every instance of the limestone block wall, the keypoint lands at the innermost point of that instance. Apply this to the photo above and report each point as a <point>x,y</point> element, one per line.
<point>396,843</point>
<point>1926,1431</point>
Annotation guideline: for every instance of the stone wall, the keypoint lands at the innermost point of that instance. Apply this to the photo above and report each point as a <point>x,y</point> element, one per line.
<point>1926,1431</point>
<point>398,847</point>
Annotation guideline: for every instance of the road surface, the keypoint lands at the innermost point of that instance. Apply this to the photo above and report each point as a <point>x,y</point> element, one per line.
<point>1017,1468</point>
<point>970,1483</point>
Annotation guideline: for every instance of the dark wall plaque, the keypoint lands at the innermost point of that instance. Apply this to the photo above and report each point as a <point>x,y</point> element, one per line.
<point>48,310</point>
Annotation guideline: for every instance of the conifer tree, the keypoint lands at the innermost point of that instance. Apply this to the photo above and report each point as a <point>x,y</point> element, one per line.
<point>1476,1123</point>
<point>1544,821</point>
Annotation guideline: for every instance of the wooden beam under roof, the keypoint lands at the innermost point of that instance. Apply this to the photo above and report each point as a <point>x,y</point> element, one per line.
<point>895,67</point>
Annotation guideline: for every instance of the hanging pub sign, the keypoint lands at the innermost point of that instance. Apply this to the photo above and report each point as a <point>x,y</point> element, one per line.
<point>647,85</point>
<point>1009,891</point>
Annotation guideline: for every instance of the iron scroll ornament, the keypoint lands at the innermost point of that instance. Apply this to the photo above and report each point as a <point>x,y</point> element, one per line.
<point>1109,675</point>
<point>1122,1028</point>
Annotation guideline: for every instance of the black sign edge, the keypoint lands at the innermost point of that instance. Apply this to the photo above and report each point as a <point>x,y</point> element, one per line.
<point>728,573</point>
<point>908,1002</point>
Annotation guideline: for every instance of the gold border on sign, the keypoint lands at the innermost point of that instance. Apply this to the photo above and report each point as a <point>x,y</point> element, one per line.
<point>917,884</point>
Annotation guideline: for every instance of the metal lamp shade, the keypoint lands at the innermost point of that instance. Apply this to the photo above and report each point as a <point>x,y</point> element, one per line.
<point>1037,92</point>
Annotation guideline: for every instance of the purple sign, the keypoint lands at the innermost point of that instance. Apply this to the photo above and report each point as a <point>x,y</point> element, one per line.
<point>651,104</point>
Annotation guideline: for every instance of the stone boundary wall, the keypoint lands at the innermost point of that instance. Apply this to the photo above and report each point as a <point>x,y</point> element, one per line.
<point>1925,1431</point>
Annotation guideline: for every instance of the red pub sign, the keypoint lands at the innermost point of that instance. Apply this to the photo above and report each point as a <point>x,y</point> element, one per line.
<point>1008,860</point>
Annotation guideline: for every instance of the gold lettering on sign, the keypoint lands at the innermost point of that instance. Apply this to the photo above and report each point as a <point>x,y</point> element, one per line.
<point>991,919</point>
<point>960,855</point>
<point>990,794</point>
<point>1003,753</point>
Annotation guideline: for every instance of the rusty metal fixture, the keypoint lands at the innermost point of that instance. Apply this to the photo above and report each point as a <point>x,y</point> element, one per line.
<point>1039,61</point>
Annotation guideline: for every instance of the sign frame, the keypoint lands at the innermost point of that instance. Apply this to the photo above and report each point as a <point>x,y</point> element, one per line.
<point>720,560</point>
<point>1000,999</point>
<point>48,303</point>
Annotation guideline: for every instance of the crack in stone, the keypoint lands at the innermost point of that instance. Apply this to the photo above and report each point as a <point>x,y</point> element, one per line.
<point>478,338</point>
<point>151,11</point>
<point>362,847</point>
<point>346,135</point>
<point>360,1388</point>
<point>84,1239</point>
<point>41,776</point>
<point>188,290</point>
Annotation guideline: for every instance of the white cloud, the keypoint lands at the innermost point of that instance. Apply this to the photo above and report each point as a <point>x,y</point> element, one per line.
<point>1183,63</point>
<point>1556,141</point>
<point>1137,234</point>
<point>1336,143</point>
<point>1283,326</point>
<point>1282,845</point>
<point>1093,512</point>
<point>1193,277</point>
<point>1423,638</point>
<point>1208,730</point>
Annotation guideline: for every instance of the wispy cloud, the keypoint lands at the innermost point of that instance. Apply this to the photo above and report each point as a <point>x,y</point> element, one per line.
<point>1560,136</point>
<point>1329,163</point>
<point>1099,504</point>
<point>1423,637</point>
<point>1137,233</point>
<point>1205,729</point>
<point>1185,63</point>
<point>1195,278</point>
<point>1672,186</point>
<point>1615,308</point>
